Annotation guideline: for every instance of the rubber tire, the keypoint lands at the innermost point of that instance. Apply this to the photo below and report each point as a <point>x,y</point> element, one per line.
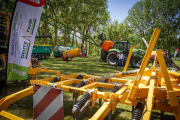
<point>39,57</point>
<point>111,54</point>
<point>45,56</point>
<point>134,60</point>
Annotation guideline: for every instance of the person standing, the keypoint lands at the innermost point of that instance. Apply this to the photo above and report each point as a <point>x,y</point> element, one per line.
<point>121,57</point>
<point>67,56</point>
<point>117,60</point>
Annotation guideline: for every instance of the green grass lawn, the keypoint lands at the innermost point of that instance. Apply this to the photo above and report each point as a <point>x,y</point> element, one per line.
<point>91,66</point>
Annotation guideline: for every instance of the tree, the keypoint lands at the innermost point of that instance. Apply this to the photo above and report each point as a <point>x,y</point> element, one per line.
<point>146,15</point>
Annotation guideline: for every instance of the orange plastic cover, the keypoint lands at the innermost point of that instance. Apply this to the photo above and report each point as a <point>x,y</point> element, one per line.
<point>107,45</point>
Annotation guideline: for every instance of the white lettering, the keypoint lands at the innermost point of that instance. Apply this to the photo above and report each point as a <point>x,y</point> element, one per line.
<point>35,1</point>
<point>18,72</point>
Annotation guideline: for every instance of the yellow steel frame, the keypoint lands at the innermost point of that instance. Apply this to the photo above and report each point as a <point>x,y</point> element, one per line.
<point>150,86</point>
<point>128,58</point>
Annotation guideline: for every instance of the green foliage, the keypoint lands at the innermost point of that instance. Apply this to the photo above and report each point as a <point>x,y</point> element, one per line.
<point>143,18</point>
<point>146,15</point>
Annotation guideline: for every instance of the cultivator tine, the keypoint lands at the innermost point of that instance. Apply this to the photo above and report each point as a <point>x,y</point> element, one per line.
<point>81,84</point>
<point>75,95</point>
<point>138,111</point>
<point>83,110</point>
<point>77,107</point>
<point>116,88</point>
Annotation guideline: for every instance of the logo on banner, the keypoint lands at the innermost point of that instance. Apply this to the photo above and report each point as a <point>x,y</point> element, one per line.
<point>31,25</point>
<point>27,38</point>
<point>35,1</point>
<point>25,50</point>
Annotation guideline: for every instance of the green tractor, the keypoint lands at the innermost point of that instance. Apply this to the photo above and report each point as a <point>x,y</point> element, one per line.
<point>110,48</point>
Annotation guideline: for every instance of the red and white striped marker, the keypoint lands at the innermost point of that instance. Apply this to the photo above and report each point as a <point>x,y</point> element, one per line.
<point>47,103</point>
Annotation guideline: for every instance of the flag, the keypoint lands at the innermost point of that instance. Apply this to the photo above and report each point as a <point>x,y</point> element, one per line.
<point>176,52</point>
<point>24,24</point>
<point>145,42</point>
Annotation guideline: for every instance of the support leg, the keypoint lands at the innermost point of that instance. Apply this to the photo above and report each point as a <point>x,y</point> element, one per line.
<point>23,84</point>
<point>110,115</point>
<point>162,115</point>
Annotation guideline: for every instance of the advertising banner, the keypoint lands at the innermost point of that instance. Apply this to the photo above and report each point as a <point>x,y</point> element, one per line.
<point>24,24</point>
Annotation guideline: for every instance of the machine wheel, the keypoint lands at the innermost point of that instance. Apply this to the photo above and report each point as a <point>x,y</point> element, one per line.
<point>45,56</point>
<point>42,56</point>
<point>111,58</point>
<point>134,61</point>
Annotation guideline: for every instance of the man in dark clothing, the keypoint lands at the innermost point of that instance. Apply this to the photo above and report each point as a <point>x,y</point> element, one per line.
<point>67,56</point>
<point>117,60</point>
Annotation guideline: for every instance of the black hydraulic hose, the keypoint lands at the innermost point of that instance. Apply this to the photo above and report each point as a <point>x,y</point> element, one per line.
<point>138,111</point>
<point>55,79</point>
<point>44,36</point>
<point>80,76</point>
<point>105,80</point>
<point>116,88</point>
<point>77,107</point>
<point>81,84</point>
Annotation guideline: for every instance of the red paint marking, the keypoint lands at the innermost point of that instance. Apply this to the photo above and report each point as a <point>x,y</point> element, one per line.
<point>35,3</point>
<point>58,115</point>
<point>35,88</point>
<point>46,100</point>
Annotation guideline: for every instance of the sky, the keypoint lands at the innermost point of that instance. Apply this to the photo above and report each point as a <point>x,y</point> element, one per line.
<point>119,8</point>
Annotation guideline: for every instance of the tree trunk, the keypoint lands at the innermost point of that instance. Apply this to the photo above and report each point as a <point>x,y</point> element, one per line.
<point>65,33</point>
<point>46,26</point>
<point>76,43</point>
<point>86,47</point>
<point>98,50</point>
<point>73,36</point>
<point>89,48</point>
<point>56,35</point>
<point>65,38</point>
<point>68,31</point>
<point>86,38</point>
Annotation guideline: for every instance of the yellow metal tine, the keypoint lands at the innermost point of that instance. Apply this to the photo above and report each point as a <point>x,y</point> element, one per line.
<point>170,92</point>
<point>129,57</point>
<point>143,65</point>
<point>150,98</point>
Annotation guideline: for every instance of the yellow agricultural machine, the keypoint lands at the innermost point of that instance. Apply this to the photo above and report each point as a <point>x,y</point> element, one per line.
<point>153,88</point>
